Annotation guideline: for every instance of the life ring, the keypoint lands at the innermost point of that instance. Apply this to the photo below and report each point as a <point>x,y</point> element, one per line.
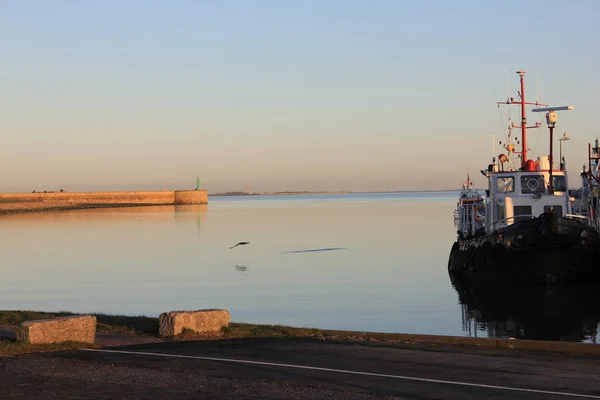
<point>529,185</point>
<point>476,214</point>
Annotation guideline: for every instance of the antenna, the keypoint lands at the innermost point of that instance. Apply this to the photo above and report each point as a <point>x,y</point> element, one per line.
<point>507,86</point>
<point>523,125</point>
<point>537,86</point>
<point>541,103</point>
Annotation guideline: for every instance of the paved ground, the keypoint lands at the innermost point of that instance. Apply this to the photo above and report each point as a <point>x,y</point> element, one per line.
<point>297,369</point>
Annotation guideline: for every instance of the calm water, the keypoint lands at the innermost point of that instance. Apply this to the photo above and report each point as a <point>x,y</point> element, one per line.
<point>381,266</point>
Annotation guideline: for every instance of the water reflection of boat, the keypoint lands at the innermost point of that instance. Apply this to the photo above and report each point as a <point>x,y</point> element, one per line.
<point>558,312</point>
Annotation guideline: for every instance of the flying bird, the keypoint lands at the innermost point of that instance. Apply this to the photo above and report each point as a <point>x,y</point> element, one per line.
<point>239,244</point>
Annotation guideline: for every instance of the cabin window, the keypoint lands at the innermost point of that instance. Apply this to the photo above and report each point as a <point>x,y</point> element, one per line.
<point>555,209</point>
<point>532,184</point>
<point>522,213</point>
<point>505,184</point>
<point>559,183</point>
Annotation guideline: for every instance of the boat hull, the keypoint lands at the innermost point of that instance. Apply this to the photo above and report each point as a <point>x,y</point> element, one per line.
<point>544,250</point>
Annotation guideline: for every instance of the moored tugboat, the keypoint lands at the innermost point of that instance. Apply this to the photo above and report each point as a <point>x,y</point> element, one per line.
<point>529,233</point>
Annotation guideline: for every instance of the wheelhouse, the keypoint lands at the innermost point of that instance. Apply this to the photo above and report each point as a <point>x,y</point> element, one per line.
<point>517,195</point>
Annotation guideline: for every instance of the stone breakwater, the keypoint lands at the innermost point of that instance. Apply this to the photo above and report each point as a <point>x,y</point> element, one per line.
<point>22,202</point>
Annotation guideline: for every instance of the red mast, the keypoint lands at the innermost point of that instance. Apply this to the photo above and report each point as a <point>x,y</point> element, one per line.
<point>523,126</point>
<point>523,118</point>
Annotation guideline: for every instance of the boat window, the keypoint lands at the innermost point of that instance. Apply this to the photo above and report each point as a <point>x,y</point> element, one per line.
<point>505,184</point>
<point>532,184</point>
<point>556,209</point>
<point>559,183</point>
<point>522,212</point>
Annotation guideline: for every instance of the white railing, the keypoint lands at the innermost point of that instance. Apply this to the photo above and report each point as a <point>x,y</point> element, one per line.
<point>468,224</point>
<point>576,216</point>
<point>591,222</point>
<point>504,222</point>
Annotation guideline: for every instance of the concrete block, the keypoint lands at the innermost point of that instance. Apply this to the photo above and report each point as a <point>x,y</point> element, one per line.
<point>79,328</point>
<point>210,320</point>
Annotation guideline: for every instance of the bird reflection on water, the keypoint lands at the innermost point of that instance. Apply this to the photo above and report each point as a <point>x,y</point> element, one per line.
<point>558,312</point>
<point>316,250</point>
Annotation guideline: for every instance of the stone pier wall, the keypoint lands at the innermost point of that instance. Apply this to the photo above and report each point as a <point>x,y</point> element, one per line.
<point>36,201</point>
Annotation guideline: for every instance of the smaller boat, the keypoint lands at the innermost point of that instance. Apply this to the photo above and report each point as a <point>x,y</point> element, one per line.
<point>470,208</point>
<point>586,200</point>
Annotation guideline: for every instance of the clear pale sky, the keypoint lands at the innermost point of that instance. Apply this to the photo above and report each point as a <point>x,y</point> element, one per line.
<point>292,95</point>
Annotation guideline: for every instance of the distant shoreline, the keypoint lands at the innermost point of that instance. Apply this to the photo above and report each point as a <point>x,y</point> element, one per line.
<point>229,194</point>
<point>16,203</point>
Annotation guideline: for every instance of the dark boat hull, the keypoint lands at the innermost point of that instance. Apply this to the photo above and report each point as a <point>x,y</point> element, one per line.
<point>543,250</point>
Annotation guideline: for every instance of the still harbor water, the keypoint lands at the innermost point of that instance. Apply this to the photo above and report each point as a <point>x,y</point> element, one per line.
<point>366,262</point>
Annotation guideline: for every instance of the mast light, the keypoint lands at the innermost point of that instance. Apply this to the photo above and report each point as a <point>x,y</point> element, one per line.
<point>551,118</point>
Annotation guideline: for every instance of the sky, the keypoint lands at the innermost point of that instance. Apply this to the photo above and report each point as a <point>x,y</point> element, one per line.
<point>275,95</point>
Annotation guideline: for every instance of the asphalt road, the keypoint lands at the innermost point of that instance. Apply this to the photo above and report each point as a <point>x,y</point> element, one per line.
<point>298,369</point>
